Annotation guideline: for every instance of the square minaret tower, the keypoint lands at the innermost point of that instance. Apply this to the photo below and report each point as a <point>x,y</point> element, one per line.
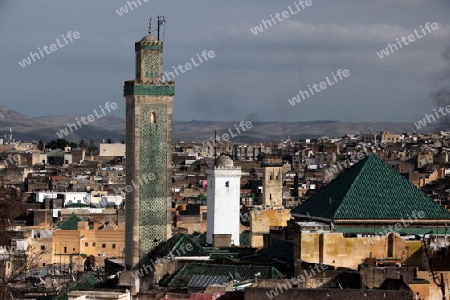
<point>223,200</point>
<point>149,107</point>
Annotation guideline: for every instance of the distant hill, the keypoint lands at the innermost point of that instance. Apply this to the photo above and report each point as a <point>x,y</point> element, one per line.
<point>107,127</point>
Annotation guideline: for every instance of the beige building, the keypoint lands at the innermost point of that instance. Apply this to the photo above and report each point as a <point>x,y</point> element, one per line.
<point>332,248</point>
<point>112,150</point>
<point>262,220</point>
<point>388,137</point>
<point>75,245</point>
<point>75,241</point>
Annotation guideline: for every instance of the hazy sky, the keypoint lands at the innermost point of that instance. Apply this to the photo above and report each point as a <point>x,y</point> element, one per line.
<point>251,76</point>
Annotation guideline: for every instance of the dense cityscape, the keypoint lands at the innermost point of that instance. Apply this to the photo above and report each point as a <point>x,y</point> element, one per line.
<point>119,201</point>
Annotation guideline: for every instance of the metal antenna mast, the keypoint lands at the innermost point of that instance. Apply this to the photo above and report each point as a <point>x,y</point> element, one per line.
<point>150,26</point>
<point>215,148</point>
<point>161,21</point>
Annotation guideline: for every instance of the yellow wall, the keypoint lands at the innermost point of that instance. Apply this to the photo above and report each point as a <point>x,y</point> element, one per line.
<point>261,220</point>
<point>336,250</point>
<point>111,243</point>
<point>68,245</point>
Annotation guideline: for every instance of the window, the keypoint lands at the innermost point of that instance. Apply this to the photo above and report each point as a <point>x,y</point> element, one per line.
<point>65,249</point>
<point>42,247</point>
<point>113,246</point>
<point>227,184</point>
<point>93,244</point>
<point>270,196</point>
<point>86,244</point>
<point>103,245</point>
<point>153,117</point>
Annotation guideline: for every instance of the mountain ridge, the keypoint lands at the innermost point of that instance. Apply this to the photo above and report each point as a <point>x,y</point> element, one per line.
<point>111,127</point>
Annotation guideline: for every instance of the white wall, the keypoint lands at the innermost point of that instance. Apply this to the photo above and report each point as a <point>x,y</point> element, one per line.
<point>112,150</point>
<point>223,203</point>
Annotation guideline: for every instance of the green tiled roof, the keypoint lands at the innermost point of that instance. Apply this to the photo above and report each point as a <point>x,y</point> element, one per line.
<point>181,278</point>
<point>86,283</point>
<point>370,189</point>
<point>76,205</point>
<point>71,223</point>
<point>177,245</point>
<point>179,242</point>
<point>406,230</point>
<point>245,239</point>
<point>199,237</point>
<point>281,250</point>
<point>228,254</point>
<point>231,252</point>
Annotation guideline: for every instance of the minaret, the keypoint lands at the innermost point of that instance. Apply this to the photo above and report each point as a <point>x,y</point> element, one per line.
<point>149,107</point>
<point>272,181</point>
<point>223,202</point>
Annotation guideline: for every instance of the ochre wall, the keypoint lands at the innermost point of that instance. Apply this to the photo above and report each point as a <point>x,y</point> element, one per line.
<point>261,220</point>
<point>333,249</point>
<point>75,243</point>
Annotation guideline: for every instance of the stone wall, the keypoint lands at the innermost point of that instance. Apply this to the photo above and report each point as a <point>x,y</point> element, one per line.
<point>260,293</point>
<point>336,250</point>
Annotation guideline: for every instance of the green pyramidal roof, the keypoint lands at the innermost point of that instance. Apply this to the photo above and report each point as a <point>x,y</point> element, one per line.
<point>71,223</point>
<point>178,245</point>
<point>371,190</point>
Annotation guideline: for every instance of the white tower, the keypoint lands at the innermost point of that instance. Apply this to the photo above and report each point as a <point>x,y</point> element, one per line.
<point>223,202</point>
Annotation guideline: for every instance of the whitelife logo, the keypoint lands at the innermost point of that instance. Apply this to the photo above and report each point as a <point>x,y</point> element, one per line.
<point>265,24</point>
<point>411,38</point>
<point>49,49</point>
<point>86,120</point>
<point>124,9</point>
<point>188,66</point>
<point>323,85</point>
<point>431,118</point>
<point>226,137</point>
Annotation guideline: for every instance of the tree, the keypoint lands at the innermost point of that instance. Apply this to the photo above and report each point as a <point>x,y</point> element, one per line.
<point>82,143</point>
<point>260,156</point>
<point>92,147</point>
<point>60,144</point>
<point>41,145</point>
<point>201,197</point>
<point>11,208</point>
<point>21,262</point>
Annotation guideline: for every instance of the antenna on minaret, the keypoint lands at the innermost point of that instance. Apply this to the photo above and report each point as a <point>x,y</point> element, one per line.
<point>161,21</point>
<point>215,148</point>
<point>150,26</point>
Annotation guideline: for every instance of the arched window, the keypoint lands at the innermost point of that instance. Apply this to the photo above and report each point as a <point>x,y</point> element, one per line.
<point>227,184</point>
<point>153,117</point>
